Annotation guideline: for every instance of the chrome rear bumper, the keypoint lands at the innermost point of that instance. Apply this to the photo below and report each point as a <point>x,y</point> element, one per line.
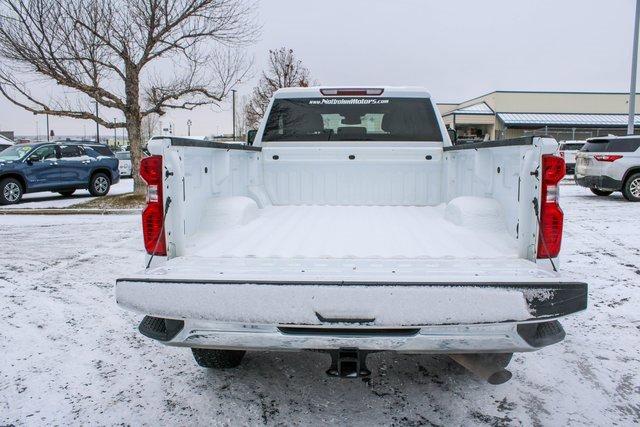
<point>491,338</point>
<point>405,317</point>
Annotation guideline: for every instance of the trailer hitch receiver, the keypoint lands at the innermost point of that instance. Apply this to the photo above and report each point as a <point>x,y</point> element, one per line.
<point>348,363</point>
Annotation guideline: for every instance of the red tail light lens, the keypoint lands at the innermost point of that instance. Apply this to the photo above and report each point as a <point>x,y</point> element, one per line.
<point>551,216</point>
<point>553,169</point>
<point>607,157</point>
<point>153,214</point>
<point>151,170</point>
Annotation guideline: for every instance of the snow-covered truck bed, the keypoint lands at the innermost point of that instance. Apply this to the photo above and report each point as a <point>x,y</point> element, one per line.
<point>352,224</point>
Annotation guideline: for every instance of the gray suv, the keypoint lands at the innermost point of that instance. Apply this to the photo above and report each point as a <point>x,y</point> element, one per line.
<point>610,164</point>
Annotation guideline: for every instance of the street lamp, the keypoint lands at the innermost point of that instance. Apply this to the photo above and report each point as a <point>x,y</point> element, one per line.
<point>233,92</point>
<point>634,70</point>
<point>189,123</point>
<point>115,134</point>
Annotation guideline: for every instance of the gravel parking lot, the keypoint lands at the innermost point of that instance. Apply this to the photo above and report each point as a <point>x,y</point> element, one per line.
<point>70,356</point>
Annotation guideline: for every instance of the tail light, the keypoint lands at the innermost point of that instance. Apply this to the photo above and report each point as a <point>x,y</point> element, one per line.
<point>551,216</point>
<point>153,213</point>
<point>607,157</point>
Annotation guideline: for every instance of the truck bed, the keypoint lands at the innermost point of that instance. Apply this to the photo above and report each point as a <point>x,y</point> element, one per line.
<point>264,243</point>
<point>358,232</point>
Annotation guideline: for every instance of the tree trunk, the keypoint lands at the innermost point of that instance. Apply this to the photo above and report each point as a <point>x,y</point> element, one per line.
<point>135,140</point>
<point>133,118</point>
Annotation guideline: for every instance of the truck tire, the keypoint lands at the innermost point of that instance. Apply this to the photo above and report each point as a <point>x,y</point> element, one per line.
<point>601,192</point>
<point>218,359</point>
<point>10,191</point>
<point>631,188</point>
<point>68,193</point>
<point>99,184</point>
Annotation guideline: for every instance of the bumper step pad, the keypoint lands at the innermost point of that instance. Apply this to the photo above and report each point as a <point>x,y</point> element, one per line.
<point>160,329</point>
<point>542,334</point>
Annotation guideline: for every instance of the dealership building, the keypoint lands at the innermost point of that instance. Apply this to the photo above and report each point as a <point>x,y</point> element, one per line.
<point>562,115</point>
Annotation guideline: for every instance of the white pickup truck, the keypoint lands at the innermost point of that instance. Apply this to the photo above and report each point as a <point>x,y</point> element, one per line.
<point>352,225</point>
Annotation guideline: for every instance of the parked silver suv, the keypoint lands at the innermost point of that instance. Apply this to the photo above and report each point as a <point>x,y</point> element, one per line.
<point>610,164</point>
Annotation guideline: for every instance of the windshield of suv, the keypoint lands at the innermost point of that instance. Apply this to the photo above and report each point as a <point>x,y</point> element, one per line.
<point>15,152</point>
<point>352,119</point>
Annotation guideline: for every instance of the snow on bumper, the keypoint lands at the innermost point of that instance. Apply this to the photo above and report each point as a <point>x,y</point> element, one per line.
<point>366,304</point>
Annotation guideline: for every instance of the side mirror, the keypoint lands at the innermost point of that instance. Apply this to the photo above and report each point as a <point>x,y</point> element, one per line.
<point>251,136</point>
<point>453,135</point>
<point>33,158</point>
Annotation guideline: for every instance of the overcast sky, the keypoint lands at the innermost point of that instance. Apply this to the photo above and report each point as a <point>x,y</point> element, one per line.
<point>457,49</point>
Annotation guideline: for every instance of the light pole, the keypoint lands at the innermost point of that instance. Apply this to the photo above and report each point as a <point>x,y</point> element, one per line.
<point>189,123</point>
<point>115,133</point>
<point>48,128</point>
<point>634,70</point>
<point>233,92</point>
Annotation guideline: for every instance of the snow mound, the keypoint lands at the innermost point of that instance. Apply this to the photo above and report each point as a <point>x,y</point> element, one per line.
<point>228,212</point>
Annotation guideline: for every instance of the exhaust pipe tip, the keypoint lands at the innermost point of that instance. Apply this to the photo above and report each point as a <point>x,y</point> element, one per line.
<point>489,367</point>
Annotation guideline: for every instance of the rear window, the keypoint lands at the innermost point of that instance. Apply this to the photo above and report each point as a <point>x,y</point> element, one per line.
<point>625,145</point>
<point>352,119</point>
<point>123,155</point>
<point>70,151</point>
<point>102,150</point>
<point>571,146</point>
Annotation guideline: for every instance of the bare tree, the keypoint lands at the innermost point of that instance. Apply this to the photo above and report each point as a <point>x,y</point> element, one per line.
<point>150,126</point>
<point>142,57</point>
<point>284,70</point>
<point>242,127</point>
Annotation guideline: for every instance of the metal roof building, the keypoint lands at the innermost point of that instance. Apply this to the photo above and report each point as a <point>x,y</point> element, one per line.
<point>563,115</point>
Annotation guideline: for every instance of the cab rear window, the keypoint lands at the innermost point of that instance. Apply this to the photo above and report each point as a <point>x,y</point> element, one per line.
<point>352,119</point>
<point>625,145</point>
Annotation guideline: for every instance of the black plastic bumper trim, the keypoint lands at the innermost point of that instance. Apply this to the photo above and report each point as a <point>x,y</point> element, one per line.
<point>359,332</point>
<point>541,334</point>
<point>600,182</point>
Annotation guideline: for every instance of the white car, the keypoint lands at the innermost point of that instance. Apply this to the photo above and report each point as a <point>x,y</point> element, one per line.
<point>568,151</point>
<point>350,224</point>
<point>124,166</point>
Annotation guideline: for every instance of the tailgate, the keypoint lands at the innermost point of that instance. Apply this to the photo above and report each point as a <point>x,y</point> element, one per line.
<point>587,165</point>
<point>385,292</point>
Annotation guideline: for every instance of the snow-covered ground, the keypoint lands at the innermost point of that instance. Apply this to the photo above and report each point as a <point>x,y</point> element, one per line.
<point>47,200</point>
<point>68,355</point>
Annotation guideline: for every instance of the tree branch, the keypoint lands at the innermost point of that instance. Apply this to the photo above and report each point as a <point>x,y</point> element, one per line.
<point>44,109</point>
